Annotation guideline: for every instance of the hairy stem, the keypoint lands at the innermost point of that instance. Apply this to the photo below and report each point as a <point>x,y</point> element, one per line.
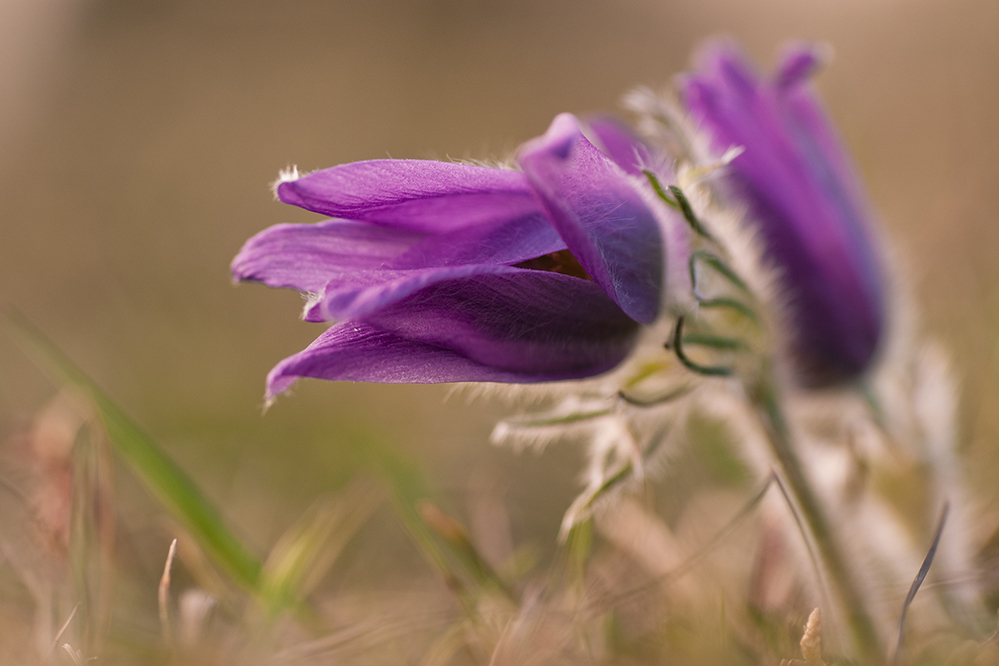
<point>771,415</point>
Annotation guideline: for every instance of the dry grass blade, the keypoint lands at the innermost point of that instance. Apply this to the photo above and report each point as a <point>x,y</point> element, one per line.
<point>364,635</point>
<point>803,530</point>
<point>75,655</point>
<point>920,576</point>
<point>457,537</point>
<point>65,626</point>
<point>92,533</point>
<point>307,550</point>
<point>163,595</point>
<point>697,555</point>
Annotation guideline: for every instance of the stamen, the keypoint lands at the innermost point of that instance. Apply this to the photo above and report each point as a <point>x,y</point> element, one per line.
<point>563,262</point>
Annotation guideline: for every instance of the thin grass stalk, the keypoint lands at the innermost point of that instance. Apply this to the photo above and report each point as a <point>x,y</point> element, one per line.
<point>768,407</point>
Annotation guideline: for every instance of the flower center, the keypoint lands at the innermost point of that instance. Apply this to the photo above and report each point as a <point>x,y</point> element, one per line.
<point>563,262</point>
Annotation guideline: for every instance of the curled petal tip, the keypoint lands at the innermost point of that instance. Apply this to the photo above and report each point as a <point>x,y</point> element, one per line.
<point>562,134</point>
<point>620,144</point>
<point>600,214</point>
<point>286,175</point>
<point>800,62</point>
<point>721,61</point>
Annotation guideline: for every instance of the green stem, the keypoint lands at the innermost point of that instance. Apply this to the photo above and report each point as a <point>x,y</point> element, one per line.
<point>771,415</point>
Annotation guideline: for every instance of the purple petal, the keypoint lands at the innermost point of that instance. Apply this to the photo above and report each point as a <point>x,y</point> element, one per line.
<point>600,214</point>
<point>356,294</point>
<point>802,192</point>
<point>419,195</point>
<point>353,351</point>
<point>811,125</point>
<point>799,64</point>
<point>501,242</point>
<point>521,326</point>
<point>536,322</point>
<point>301,256</point>
<point>349,262</point>
<point>620,144</point>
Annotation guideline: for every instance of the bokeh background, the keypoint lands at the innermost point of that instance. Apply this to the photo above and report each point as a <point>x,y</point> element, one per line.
<point>138,140</point>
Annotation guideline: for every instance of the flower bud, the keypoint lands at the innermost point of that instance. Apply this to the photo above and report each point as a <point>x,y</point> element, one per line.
<point>801,190</point>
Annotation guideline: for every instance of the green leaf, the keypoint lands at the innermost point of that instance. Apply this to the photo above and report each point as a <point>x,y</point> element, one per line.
<point>707,370</point>
<point>731,304</point>
<point>659,190</point>
<point>161,475</point>
<point>716,263</point>
<point>688,212</point>
<point>713,341</point>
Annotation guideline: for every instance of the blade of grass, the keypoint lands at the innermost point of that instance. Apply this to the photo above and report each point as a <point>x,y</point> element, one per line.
<point>163,595</point>
<point>457,537</point>
<point>920,576</point>
<point>309,548</point>
<point>161,475</point>
<point>411,490</point>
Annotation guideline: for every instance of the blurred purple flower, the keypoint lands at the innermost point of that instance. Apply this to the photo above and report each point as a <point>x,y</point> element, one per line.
<point>802,192</point>
<point>443,272</point>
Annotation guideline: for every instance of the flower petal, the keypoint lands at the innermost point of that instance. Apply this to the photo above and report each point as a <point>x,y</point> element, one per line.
<point>619,143</point>
<point>522,326</point>
<point>420,195</point>
<point>600,214</point>
<point>797,66</point>
<point>301,256</point>
<point>498,242</point>
<point>536,322</point>
<point>338,259</point>
<point>353,351</point>
<point>356,294</point>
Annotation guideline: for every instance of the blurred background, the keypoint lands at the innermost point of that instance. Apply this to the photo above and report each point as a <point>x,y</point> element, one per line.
<point>138,140</point>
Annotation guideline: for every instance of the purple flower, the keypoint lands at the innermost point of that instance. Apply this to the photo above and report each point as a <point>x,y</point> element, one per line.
<point>802,192</point>
<point>443,272</point>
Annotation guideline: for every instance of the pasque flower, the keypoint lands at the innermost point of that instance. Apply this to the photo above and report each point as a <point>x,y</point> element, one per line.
<point>801,191</point>
<point>443,272</point>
